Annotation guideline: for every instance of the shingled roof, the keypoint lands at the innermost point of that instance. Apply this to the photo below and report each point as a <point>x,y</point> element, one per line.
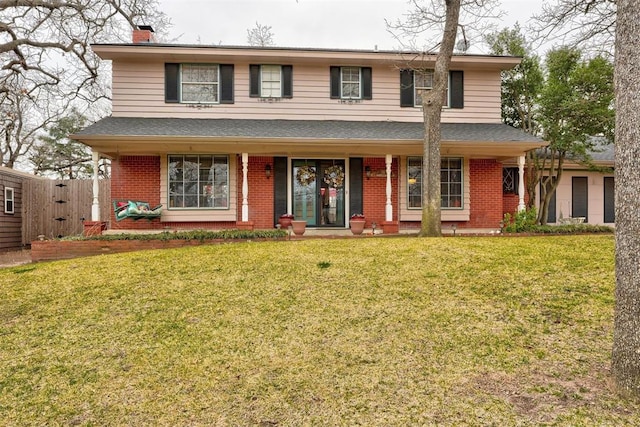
<point>299,129</point>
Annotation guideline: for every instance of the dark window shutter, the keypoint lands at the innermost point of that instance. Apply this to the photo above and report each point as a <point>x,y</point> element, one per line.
<point>226,84</point>
<point>171,82</point>
<point>355,185</point>
<point>609,200</point>
<point>367,84</point>
<point>279,187</point>
<point>580,197</point>
<point>406,88</point>
<point>287,81</point>
<point>456,97</point>
<point>254,80</point>
<point>335,82</point>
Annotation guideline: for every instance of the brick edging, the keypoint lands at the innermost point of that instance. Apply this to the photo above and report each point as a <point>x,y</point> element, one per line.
<point>51,250</point>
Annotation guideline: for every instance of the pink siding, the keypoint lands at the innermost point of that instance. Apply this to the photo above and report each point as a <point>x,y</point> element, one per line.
<point>138,91</point>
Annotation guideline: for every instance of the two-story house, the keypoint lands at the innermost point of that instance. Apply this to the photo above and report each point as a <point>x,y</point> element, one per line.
<point>227,137</point>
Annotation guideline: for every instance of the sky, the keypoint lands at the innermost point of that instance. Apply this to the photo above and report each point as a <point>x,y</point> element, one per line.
<point>343,24</point>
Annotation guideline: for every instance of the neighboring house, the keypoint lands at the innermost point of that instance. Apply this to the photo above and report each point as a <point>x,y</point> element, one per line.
<point>227,137</point>
<point>585,192</point>
<point>12,216</point>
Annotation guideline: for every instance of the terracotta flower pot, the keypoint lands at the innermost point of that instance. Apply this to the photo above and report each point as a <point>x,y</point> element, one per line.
<point>357,226</point>
<point>285,221</point>
<point>298,227</point>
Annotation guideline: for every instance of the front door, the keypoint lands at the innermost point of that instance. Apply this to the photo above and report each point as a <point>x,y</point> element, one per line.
<point>319,192</point>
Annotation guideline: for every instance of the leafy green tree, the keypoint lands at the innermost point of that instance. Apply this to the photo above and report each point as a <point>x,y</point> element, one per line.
<point>56,154</point>
<point>521,87</point>
<point>576,104</point>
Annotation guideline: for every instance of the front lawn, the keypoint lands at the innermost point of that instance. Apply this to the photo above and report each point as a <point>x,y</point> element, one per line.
<point>376,331</point>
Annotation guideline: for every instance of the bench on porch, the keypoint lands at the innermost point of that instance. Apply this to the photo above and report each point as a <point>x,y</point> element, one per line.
<point>135,210</point>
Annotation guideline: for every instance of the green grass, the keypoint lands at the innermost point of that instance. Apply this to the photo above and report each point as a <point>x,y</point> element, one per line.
<point>377,331</point>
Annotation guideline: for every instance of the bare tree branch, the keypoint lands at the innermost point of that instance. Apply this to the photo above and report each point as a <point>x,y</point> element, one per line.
<point>586,24</point>
<point>47,65</point>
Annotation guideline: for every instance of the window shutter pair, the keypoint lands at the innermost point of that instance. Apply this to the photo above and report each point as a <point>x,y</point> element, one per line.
<point>456,95</point>
<point>366,82</point>
<point>172,83</point>
<point>287,81</point>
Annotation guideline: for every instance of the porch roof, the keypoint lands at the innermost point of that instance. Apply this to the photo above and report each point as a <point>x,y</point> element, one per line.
<point>246,134</point>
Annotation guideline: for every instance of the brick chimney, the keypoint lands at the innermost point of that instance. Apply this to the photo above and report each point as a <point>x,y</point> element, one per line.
<point>143,34</point>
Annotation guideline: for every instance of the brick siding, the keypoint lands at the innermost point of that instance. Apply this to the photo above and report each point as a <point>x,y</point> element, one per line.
<point>374,189</point>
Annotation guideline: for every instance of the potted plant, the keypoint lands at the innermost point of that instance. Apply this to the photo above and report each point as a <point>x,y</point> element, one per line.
<point>285,220</point>
<point>298,227</point>
<point>357,223</point>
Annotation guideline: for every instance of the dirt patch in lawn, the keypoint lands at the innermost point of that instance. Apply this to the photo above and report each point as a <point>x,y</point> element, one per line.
<point>13,258</point>
<point>546,393</point>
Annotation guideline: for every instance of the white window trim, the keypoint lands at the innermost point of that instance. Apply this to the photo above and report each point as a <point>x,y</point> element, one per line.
<point>182,82</point>
<point>198,208</point>
<point>262,81</point>
<point>342,96</point>
<point>444,208</point>
<point>416,88</point>
<point>9,196</point>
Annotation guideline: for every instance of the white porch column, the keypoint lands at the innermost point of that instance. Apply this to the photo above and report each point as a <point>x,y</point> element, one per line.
<point>521,205</point>
<point>95,205</point>
<point>245,187</point>
<point>388,212</point>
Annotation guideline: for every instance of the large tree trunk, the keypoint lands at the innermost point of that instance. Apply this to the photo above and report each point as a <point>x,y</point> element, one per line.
<point>626,336</point>
<point>550,185</point>
<point>432,111</point>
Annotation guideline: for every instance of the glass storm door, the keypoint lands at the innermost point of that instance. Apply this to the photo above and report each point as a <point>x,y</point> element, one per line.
<point>318,192</point>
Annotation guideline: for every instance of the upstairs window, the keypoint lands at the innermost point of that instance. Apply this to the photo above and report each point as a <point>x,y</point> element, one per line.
<point>270,81</point>
<point>422,83</point>
<point>450,182</point>
<point>414,83</point>
<point>9,202</point>
<point>351,83</point>
<point>198,83</point>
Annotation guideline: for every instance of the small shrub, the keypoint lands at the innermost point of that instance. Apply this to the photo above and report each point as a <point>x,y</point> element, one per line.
<point>525,222</point>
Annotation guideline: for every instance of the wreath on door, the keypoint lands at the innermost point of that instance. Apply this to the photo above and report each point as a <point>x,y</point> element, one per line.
<point>334,176</point>
<point>305,175</point>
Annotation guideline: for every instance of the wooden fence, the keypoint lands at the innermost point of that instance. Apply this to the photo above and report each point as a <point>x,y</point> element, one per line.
<point>58,208</point>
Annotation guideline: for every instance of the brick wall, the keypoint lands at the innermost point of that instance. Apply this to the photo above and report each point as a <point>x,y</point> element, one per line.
<point>374,191</point>
<point>486,194</point>
<point>261,193</point>
<point>136,178</point>
<point>510,201</point>
<point>50,250</point>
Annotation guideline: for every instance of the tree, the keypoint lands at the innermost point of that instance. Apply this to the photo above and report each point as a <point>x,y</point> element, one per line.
<point>626,334</point>
<point>47,63</point>
<point>260,35</point>
<point>521,87</point>
<point>576,104</point>
<point>586,24</point>
<point>65,158</point>
<point>444,16</point>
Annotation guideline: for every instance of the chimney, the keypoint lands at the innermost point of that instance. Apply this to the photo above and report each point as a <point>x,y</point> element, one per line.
<point>143,34</point>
